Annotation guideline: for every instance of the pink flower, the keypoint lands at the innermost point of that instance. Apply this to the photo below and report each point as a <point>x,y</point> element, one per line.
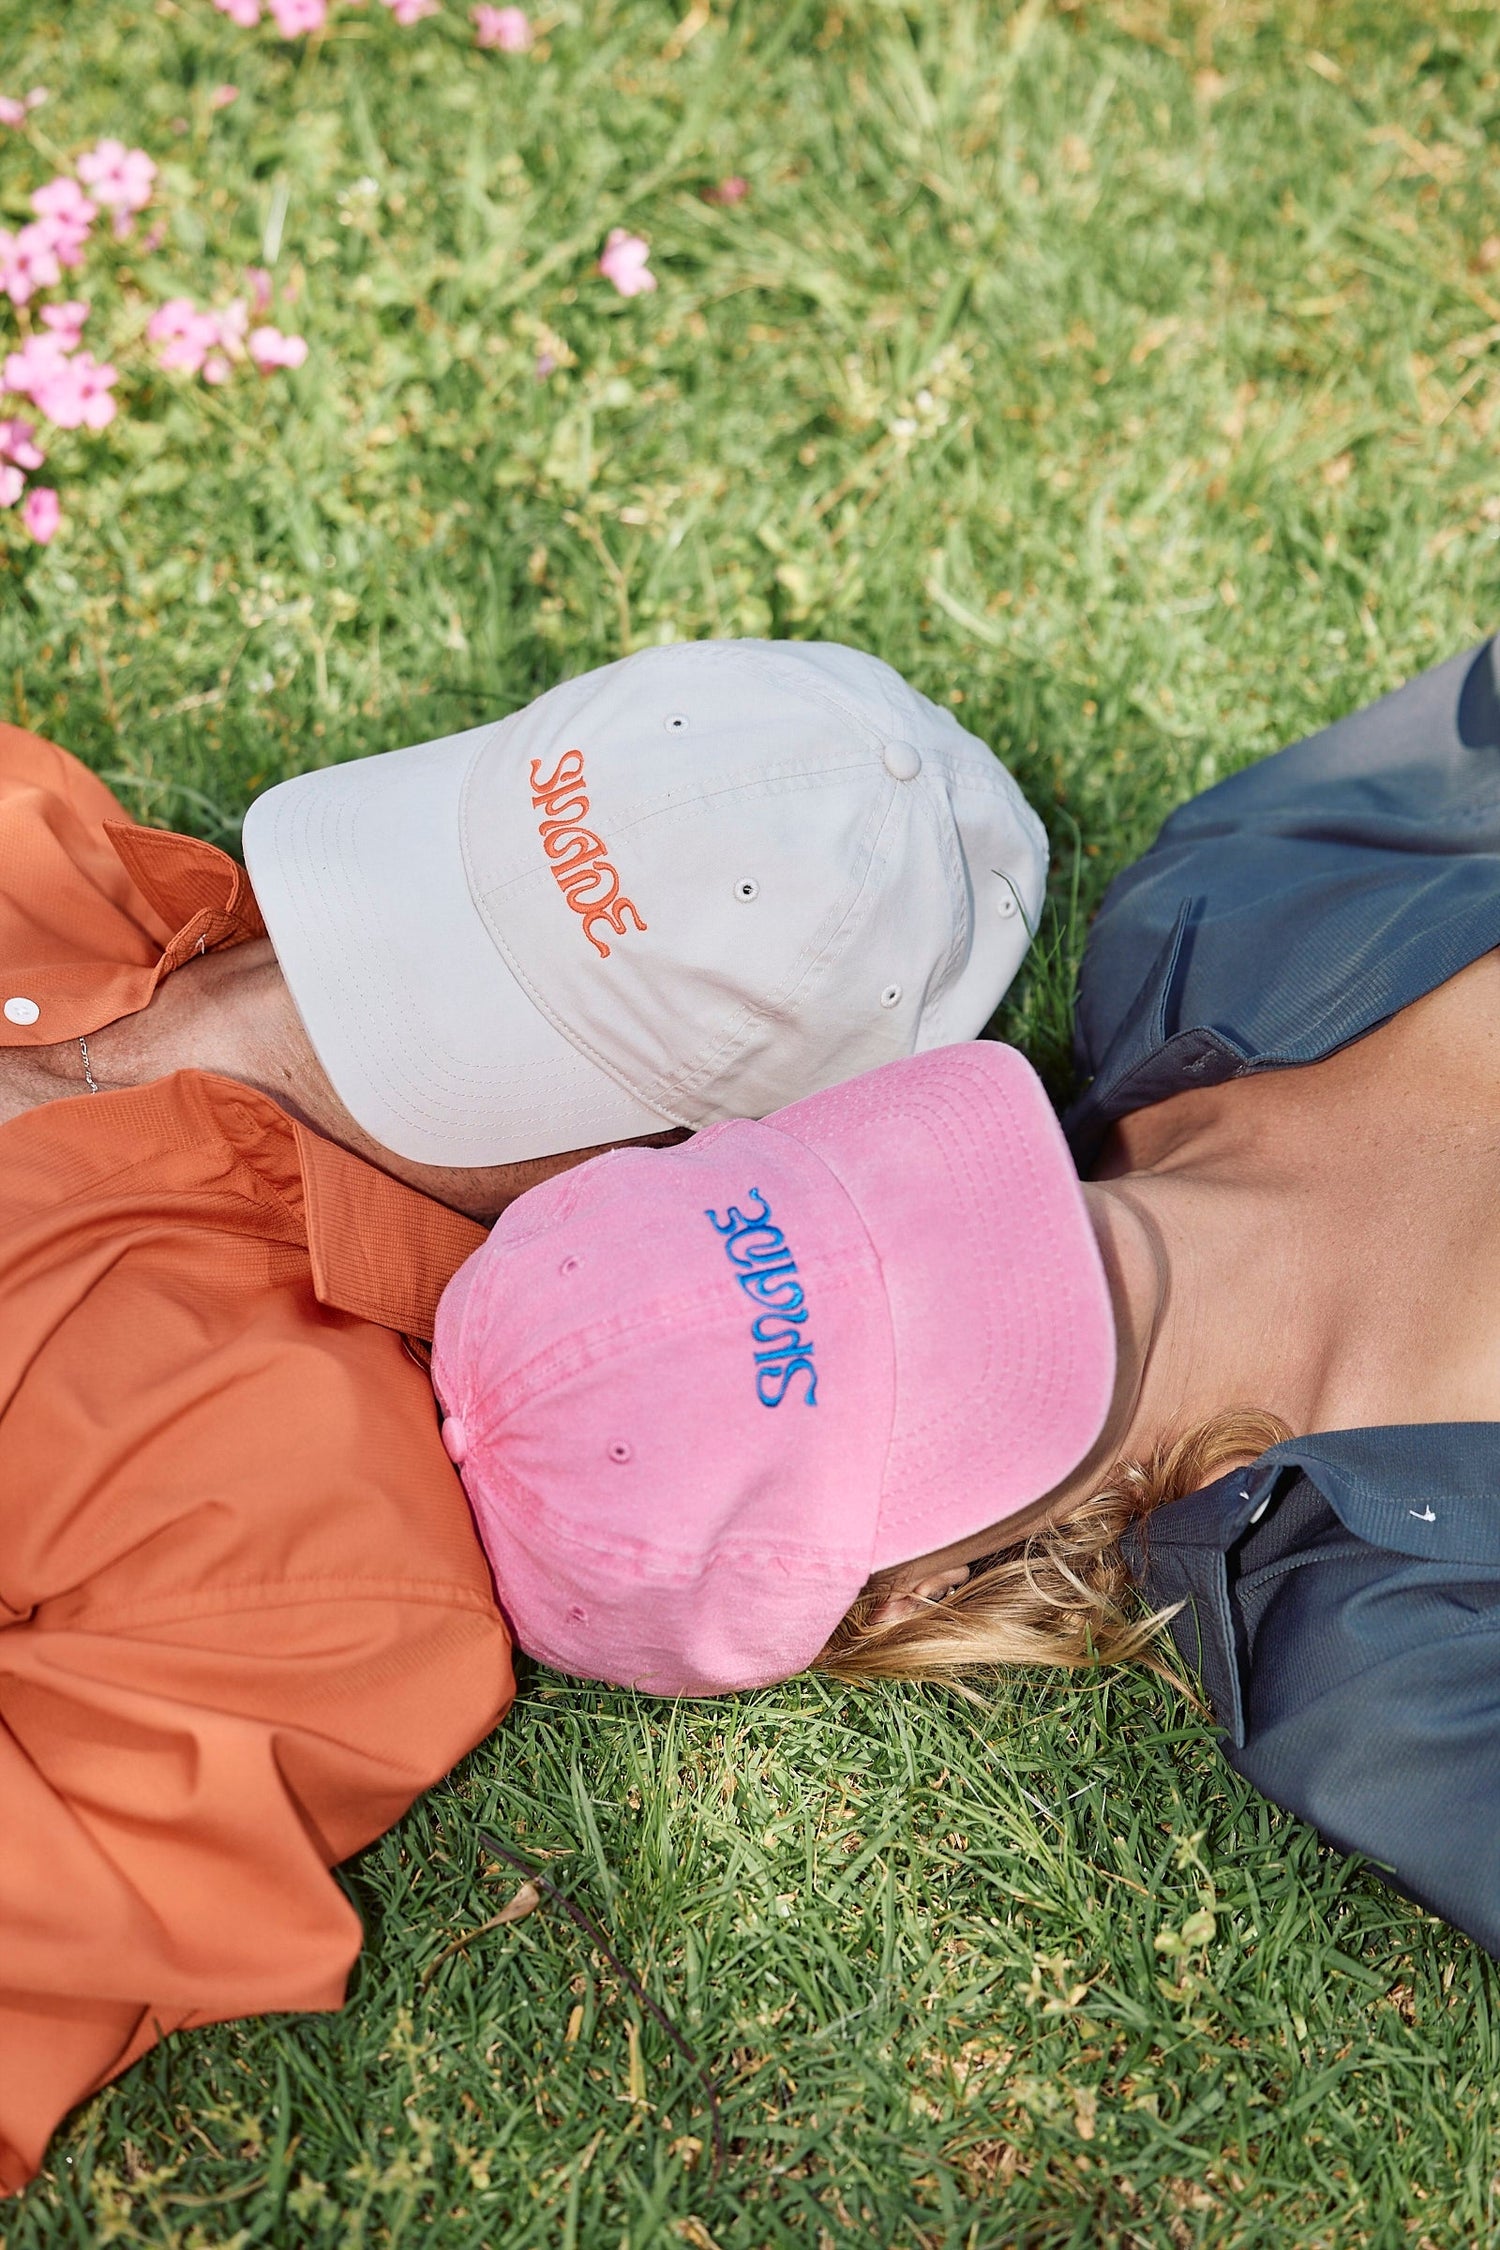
<point>293,17</point>
<point>12,113</point>
<point>64,216</point>
<point>74,393</point>
<point>120,177</point>
<point>505,28</point>
<point>222,96</point>
<point>623,262</point>
<point>42,513</point>
<point>72,388</point>
<point>260,287</point>
<point>12,485</point>
<point>17,445</point>
<point>37,96</point>
<point>188,337</point>
<point>155,239</point>
<point>28,262</point>
<point>269,348</point>
<point>84,396</point>
<point>246,13</point>
<point>172,321</point>
<point>38,360</point>
<point>66,321</point>
<point>49,244</point>
<point>412,11</point>
<point>64,201</point>
<point>732,190</point>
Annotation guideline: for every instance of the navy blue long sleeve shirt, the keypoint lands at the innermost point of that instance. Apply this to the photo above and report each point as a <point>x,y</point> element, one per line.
<point>1342,1595</point>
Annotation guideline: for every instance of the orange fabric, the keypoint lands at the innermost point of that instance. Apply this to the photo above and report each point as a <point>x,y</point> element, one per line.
<point>244,1618</point>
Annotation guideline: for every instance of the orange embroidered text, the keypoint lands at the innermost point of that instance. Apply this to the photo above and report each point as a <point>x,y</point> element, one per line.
<point>581,867</point>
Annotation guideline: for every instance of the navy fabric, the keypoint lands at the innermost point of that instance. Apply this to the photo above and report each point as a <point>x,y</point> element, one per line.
<point>1299,904</point>
<point>1342,1596</point>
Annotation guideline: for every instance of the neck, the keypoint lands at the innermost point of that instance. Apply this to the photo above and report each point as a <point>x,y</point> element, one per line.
<point>1216,1308</point>
<point>231,1014</point>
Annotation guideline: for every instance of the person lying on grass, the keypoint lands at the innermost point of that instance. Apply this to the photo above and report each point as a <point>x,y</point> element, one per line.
<point>881,1385</point>
<point>244,1138</point>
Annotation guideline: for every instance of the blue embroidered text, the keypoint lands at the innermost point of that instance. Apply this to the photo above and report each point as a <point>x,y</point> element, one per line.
<point>767,1272</point>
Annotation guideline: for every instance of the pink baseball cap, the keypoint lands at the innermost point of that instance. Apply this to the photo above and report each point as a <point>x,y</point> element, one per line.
<point>697,1395</point>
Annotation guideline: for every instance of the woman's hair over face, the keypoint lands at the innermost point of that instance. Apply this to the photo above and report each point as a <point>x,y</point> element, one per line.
<point>1062,1595</point>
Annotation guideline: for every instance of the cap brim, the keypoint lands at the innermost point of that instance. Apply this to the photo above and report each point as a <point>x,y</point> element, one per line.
<point>429,1041</point>
<point>1000,1310</point>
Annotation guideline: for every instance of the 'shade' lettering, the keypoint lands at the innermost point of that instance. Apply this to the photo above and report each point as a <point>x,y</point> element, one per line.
<point>767,1272</point>
<point>580,863</point>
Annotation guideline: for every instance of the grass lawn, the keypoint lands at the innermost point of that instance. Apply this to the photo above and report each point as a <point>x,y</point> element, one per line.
<point>1124,371</point>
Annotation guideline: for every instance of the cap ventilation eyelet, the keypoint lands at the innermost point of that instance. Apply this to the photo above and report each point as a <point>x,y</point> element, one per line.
<point>746,889</point>
<point>891,996</point>
<point>675,722</point>
<point>619,1452</point>
<point>571,1263</point>
<point>1005,904</point>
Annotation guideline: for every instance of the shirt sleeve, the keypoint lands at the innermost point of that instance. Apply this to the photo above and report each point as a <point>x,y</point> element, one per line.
<point>174,1799</point>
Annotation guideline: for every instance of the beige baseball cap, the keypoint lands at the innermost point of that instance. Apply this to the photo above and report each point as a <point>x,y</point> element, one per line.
<point>697,884</point>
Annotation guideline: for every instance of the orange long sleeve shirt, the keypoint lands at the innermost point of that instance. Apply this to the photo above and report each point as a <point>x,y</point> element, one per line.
<point>244,1617</point>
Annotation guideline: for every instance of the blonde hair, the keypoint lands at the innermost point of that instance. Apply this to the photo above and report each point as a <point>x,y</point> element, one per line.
<point>1061,1596</point>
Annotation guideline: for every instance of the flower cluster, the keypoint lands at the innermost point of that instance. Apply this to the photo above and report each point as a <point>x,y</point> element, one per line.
<point>509,29</point>
<point>208,343</point>
<point>19,452</point>
<point>115,178</point>
<point>505,28</point>
<point>119,179</point>
<point>69,386</point>
<point>34,256</point>
<point>295,18</point>
<point>291,17</point>
<point>46,365</point>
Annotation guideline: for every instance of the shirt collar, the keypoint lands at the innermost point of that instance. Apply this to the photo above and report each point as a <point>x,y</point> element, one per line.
<point>202,895</point>
<point>1417,1488</point>
<point>1421,1489</point>
<point>377,1249</point>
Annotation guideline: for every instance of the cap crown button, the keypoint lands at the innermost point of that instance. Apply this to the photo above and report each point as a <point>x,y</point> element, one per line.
<point>903,761</point>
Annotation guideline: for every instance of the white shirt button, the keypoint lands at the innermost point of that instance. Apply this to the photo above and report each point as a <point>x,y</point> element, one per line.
<point>903,762</point>
<point>20,1010</point>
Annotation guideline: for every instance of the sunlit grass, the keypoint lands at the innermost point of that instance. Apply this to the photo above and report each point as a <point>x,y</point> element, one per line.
<point>1125,374</point>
